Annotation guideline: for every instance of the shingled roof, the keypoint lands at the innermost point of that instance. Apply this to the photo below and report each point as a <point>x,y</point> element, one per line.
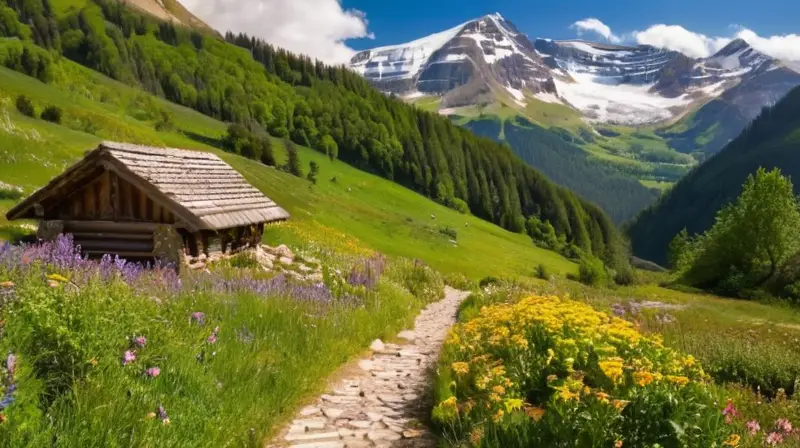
<point>199,187</point>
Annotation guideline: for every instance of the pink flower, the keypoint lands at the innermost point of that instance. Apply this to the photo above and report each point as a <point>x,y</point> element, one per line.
<point>213,338</point>
<point>730,412</point>
<point>753,427</point>
<point>128,357</point>
<point>198,318</point>
<point>784,426</point>
<point>774,438</point>
<point>140,341</point>
<point>11,364</point>
<point>153,372</point>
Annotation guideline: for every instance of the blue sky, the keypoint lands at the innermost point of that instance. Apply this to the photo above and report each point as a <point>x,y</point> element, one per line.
<point>394,22</point>
<point>333,30</point>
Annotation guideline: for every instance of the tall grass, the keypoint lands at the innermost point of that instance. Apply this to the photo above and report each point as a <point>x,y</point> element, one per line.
<point>69,326</point>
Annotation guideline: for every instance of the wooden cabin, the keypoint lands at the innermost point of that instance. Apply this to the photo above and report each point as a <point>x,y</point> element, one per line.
<point>143,202</point>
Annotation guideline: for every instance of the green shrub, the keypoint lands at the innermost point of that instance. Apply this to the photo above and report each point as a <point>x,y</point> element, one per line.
<point>460,281</point>
<point>488,281</point>
<point>625,277</point>
<point>25,106</point>
<point>243,260</point>
<point>543,272</point>
<point>419,279</point>
<point>592,272</point>
<point>11,192</point>
<point>449,232</point>
<point>458,205</point>
<point>52,114</point>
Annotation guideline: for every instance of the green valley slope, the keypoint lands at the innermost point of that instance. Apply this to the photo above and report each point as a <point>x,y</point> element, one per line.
<point>771,141</point>
<point>381,214</point>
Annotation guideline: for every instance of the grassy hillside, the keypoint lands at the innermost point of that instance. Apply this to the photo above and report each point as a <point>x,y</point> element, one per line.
<point>381,214</point>
<point>770,142</point>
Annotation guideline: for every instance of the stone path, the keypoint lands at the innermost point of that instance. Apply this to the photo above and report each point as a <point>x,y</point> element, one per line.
<point>383,400</point>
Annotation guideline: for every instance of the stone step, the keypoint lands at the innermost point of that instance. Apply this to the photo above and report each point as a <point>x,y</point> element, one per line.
<point>313,437</point>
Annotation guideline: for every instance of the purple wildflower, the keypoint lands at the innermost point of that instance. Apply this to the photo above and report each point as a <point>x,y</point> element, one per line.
<point>367,272</point>
<point>11,364</point>
<point>162,414</point>
<point>153,372</point>
<point>199,318</point>
<point>730,412</point>
<point>128,357</point>
<point>8,397</point>
<point>140,341</point>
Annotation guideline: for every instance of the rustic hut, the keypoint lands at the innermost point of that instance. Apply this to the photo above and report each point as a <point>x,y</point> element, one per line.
<point>144,202</point>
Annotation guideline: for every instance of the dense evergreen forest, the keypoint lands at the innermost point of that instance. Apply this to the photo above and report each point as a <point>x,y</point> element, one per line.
<point>244,80</point>
<point>771,141</point>
<point>568,165</point>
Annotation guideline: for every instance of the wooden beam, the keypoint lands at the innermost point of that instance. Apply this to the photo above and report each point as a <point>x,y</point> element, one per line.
<point>109,227</point>
<point>115,202</point>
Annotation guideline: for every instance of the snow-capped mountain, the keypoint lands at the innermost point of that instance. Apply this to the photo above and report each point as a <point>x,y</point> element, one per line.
<point>488,58</point>
<point>466,64</point>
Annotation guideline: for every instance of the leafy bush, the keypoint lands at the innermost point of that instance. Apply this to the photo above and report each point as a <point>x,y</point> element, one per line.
<point>625,277</point>
<point>488,281</point>
<point>422,281</point>
<point>542,272</point>
<point>592,272</point>
<point>546,371</point>
<point>313,171</point>
<point>8,191</point>
<point>449,232</point>
<point>243,260</point>
<point>25,106</point>
<point>52,114</point>
<point>458,205</point>
<point>460,281</point>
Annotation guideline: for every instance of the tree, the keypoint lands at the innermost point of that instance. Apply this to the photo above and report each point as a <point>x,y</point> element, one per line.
<point>313,171</point>
<point>292,160</point>
<point>25,106</point>
<point>751,239</point>
<point>52,114</point>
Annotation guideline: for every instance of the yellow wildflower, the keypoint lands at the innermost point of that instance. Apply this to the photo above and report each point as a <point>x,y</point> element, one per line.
<point>512,404</point>
<point>602,396</point>
<point>500,390</point>
<point>475,436</point>
<point>535,413</point>
<point>679,380</point>
<point>732,440</point>
<point>57,278</point>
<point>642,379</point>
<point>498,415</point>
<point>618,444</point>
<point>494,397</point>
<point>566,394</point>
<point>620,404</point>
<point>460,368</point>
<point>449,403</point>
<point>612,368</point>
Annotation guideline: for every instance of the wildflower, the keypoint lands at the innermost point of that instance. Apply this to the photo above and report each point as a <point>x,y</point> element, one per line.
<point>498,415</point>
<point>57,278</point>
<point>620,404</point>
<point>212,339</point>
<point>3,418</point>
<point>679,380</point>
<point>150,415</point>
<point>449,403</point>
<point>53,284</point>
<point>93,362</point>
<point>730,412</point>
<point>198,318</point>
<point>753,427</point>
<point>566,394</point>
<point>512,404</point>
<point>732,440</point>
<point>475,436</point>
<point>11,364</point>
<point>153,372</point>
<point>612,368</point>
<point>774,438</point>
<point>162,414</point>
<point>140,341</point>
<point>784,426</point>
<point>7,284</point>
<point>500,390</point>
<point>128,357</point>
<point>618,444</point>
<point>642,379</point>
<point>602,396</point>
<point>534,413</point>
<point>460,368</point>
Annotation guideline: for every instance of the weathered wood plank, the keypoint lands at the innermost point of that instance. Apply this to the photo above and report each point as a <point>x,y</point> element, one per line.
<point>109,227</point>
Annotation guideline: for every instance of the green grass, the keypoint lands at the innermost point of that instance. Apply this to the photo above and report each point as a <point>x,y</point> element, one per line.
<point>379,213</point>
<point>659,185</point>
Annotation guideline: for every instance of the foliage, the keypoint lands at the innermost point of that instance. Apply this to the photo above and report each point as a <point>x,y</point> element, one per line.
<point>25,106</point>
<point>449,232</point>
<point>313,171</point>
<point>240,140</point>
<point>292,165</point>
<point>751,241</point>
<point>228,346</point>
<point>694,202</point>
<point>547,371</point>
<point>26,58</point>
<point>165,122</point>
<point>52,114</point>
<point>542,272</point>
<point>543,233</point>
<point>327,108</point>
<point>592,272</point>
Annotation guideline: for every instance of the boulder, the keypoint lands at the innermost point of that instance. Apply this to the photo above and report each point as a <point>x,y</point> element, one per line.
<point>283,251</point>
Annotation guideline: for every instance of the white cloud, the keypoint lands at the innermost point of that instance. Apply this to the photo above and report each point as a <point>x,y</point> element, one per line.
<point>675,37</point>
<point>592,25</point>
<point>318,28</point>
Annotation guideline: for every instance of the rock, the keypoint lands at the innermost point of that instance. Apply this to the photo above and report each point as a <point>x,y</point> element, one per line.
<point>331,444</point>
<point>332,413</point>
<point>382,435</point>
<point>359,424</point>
<point>202,257</point>
<point>319,436</point>
<point>408,335</point>
<point>366,364</point>
<point>310,424</point>
<point>412,433</point>
<point>377,346</point>
<point>283,251</point>
<point>304,268</point>
<point>285,260</point>
<point>374,416</point>
<point>389,398</point>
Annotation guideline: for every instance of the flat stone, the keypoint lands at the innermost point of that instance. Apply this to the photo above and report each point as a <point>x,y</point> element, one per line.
<point>359,424</point>
<point>366,364</point>
<point>320,445</point>
<point>357,443</point>
<point>382,435</point>
<point>408,335</point>
<point>377,345</point>
<point>320,436</point>
<point>412,433</point>
<point>388,398</point>
<point>285,260</point>
<point>410,397</point>
<point>310,424</point>
<point>332,413</point>
<point>309,411</point>
<point>374,416</point>
<point>340,399</point>
<point>344,432</point>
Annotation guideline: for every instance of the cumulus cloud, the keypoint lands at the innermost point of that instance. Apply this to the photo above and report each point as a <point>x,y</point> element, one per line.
<point>675,37</point>
<point>592,25</point>
<point>318,28</point>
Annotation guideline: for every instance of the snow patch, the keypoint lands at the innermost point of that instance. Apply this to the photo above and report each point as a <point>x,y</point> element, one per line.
<point>548,97</point>
<point>517,94</point>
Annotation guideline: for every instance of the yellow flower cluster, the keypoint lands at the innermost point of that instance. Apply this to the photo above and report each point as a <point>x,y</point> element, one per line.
<point>581,354</point>
<point>314,234</point>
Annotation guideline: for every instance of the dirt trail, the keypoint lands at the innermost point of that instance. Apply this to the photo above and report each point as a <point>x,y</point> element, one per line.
<point>383,399</point>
